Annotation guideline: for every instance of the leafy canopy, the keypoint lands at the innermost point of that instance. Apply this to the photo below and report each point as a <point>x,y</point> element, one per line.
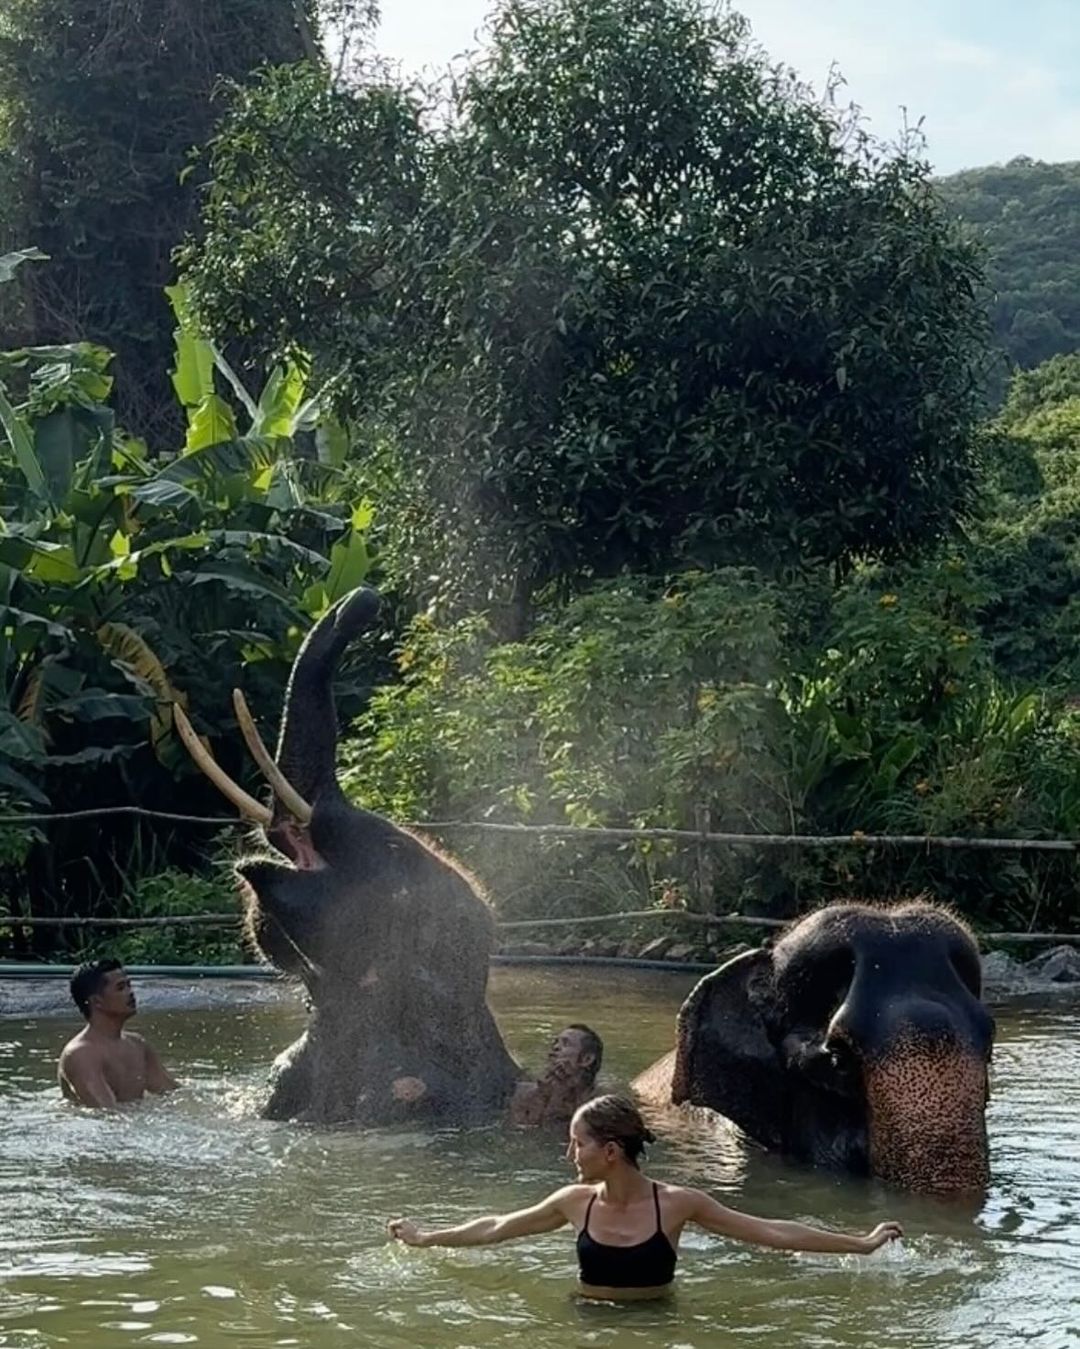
<point>632,300</point>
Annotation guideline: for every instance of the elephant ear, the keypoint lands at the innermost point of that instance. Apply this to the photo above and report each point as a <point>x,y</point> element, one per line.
<point>724,1058</point>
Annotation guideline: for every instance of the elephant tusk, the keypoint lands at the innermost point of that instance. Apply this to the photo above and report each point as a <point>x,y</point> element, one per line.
<point>248,807</point>
<point>285,792</point>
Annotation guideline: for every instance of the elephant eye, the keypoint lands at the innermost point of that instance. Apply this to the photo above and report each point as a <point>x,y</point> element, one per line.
<point>968,968</point>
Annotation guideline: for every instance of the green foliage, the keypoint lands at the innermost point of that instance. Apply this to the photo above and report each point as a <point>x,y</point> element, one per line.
<point>171,894</point>
<point>648,687</point>
<point>1040,390</point>
<point>131,581</point>
<point>636,704</point>
<point>712,701</point>
<point>15,842</point>
<point>636,302</point>
<point>901,724</point>
<point>310,187</point>
<point>1025,548</point>
<point>1027,215</point>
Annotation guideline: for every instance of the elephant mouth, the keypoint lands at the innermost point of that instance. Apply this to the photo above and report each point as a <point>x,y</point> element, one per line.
<point>293,841</point>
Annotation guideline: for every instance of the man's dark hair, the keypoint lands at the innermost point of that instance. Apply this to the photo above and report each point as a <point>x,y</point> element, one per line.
<point>591,1043</point>
<point>88,979</point>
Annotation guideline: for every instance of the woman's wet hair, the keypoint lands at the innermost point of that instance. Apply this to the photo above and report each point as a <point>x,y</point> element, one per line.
<point>614,1119</point>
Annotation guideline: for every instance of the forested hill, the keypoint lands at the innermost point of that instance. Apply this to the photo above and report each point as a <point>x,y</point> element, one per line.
<point>1028,214</point>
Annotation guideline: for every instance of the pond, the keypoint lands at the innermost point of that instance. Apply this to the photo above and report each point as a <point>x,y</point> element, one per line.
<point>190,1221</point>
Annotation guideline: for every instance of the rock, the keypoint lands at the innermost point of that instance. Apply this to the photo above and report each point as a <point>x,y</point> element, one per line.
<point>681,951</point>
<point>1057,970</point>
<point>1061,965</point>
<point>1003,975</point>
<point>627,950</point>
<point>604,946</point>
<point>656,949</point>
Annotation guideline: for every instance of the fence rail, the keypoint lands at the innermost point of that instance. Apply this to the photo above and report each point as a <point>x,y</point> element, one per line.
<point>697,837</point>
<point>857,837</point>
<point>579,920</point>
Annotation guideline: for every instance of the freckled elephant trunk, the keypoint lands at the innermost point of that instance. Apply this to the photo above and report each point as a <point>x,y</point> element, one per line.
<point>926,1120</point>
<point>308,742</point>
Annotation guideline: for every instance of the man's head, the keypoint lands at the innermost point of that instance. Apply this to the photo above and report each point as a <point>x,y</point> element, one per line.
<point>575,1052</point>
<point>103,986</point>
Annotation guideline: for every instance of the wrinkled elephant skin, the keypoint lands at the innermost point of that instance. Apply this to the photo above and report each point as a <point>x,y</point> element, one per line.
<point>391,938</point>
<point>859,1041</point>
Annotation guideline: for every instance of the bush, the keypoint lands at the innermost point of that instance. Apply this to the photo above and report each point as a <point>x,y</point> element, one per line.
<point>637,704</point>
<point>718,700</point>
<point>172,894</point>
<point>903,725</point>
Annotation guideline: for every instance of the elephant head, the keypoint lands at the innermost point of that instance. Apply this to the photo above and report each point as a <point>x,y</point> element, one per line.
<point>859,1041</point>
<point>391,938</point>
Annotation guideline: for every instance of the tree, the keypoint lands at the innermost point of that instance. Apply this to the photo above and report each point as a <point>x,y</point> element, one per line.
<point>636,302</point>
<point>100,107</point>
<point>1027,216</point>
<point>1027,545</point>
<point>1051,385</point>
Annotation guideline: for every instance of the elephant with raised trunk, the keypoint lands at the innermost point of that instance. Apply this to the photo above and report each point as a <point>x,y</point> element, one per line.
<point>391,938</point>
<point>859,1041</point>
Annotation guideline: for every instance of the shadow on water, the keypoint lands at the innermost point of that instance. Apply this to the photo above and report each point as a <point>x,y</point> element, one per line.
<point>191,1221</point>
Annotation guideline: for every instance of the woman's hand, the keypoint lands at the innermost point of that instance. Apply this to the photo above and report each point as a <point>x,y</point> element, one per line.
<point>882,1235</point>
<point>404,1229</point>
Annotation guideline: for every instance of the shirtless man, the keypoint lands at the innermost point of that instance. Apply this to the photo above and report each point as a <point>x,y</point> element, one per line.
<point>104,1065</point>
<point>567,1081</point>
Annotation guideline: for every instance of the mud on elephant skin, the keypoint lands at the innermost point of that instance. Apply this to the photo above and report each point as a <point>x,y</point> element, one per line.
<point>391,938</point>
<point>859,1042</point>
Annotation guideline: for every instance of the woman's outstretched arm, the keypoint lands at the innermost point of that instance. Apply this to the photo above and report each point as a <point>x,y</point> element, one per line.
<point>546,1216</point>
<point>783,1235</point>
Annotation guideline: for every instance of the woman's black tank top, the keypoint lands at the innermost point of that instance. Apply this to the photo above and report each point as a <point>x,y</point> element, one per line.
<point>646,1264</point>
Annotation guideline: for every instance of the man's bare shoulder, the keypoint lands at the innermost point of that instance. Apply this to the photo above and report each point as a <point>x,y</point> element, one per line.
<point>79,1049</point>
<point>525,1104</point>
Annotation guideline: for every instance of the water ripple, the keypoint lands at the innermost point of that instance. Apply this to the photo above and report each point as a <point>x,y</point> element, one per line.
<point>189,1220</point>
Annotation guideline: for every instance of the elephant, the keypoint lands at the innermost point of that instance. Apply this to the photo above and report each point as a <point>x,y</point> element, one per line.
<point>858,1042</point>
<point>391,938</point>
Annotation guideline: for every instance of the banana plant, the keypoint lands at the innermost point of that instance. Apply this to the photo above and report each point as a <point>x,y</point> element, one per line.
<point>127,575</point>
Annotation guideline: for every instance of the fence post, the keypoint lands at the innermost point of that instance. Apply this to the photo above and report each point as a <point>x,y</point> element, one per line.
<point>704,861</point>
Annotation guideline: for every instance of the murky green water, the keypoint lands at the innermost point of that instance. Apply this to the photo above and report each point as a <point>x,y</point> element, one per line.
<point>189,1221</point>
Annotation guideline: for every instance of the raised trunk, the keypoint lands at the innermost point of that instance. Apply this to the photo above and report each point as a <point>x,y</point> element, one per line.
<point>308,742</point>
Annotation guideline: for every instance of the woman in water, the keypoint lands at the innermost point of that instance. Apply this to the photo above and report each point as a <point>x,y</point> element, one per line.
<point>628,1226</point>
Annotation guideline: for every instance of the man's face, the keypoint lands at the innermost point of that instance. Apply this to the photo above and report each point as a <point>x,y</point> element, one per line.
<point>567,1056</point>
<point>116,996</point>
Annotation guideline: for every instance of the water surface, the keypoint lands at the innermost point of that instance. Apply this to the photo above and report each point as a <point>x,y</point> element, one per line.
<point>190,1221</point>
